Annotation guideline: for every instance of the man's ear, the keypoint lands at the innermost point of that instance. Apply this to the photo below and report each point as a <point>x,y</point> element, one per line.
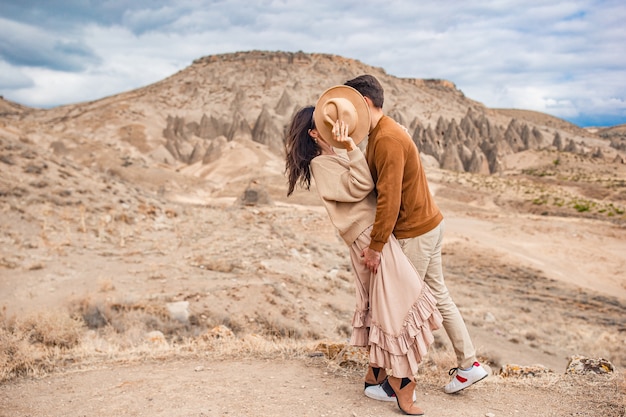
<point>369,102</point>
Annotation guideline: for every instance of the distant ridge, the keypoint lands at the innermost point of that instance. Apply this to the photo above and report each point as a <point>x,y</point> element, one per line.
<point>543,119</point>
<point>8,107</point>
<point>192,116</point>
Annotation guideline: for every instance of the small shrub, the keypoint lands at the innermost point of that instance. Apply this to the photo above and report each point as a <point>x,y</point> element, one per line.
<point>52,329</point>
<point>16,356</point>
<point>581,206</point>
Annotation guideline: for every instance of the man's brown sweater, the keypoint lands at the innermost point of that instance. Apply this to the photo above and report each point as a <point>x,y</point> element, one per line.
<point>405,206</point>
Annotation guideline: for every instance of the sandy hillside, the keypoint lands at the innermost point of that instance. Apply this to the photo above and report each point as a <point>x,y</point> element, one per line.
<point>534,289</point>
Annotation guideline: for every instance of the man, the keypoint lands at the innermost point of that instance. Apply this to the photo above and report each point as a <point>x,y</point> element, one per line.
<point>406,208</point>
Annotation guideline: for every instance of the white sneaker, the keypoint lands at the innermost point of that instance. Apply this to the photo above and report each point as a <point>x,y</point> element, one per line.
<point>383,392</point>
<point>464,378</point>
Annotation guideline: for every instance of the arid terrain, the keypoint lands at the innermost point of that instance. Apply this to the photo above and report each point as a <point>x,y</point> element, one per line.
<point>139,280</point>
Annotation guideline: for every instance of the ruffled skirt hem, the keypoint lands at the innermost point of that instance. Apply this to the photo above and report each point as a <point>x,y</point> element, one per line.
<point>402,353</point>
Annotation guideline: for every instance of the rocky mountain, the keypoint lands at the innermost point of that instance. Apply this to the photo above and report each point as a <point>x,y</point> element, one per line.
<point>191,118</point>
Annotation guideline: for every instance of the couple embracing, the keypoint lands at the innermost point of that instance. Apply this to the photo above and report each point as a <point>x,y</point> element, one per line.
<point>380,204</point>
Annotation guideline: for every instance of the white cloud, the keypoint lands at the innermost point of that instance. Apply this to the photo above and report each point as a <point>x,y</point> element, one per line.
<point>26,45</point>
<point>12,78</point>
<point>565,58</point>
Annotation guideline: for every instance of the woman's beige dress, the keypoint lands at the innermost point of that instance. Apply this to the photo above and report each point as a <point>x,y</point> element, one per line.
<point>395,312</point>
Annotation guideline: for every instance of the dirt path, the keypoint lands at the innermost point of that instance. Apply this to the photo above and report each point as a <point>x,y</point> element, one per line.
<point>263,389</point>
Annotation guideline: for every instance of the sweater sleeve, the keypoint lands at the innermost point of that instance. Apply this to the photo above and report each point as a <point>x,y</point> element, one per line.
<point>389,162</point>
<point>338,182</point>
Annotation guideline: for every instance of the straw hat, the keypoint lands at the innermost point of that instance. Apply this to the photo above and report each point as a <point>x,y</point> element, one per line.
<point>342,103</point>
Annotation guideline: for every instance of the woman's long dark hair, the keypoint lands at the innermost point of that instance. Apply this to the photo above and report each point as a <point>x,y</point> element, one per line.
<point>300,149</point>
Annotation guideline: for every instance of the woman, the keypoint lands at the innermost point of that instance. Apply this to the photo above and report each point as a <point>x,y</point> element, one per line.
<point>395,312</point>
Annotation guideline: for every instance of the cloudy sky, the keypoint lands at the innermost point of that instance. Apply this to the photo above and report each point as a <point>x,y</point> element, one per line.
<point>565,58</point>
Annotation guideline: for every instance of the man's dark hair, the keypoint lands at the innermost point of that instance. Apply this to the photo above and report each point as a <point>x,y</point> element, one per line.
<point>369,87</point>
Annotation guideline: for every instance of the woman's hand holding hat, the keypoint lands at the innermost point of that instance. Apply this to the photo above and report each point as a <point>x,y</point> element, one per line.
<point>340,131</point>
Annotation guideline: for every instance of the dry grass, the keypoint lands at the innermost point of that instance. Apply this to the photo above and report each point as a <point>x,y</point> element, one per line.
<point>95,333</point>
<point>32,345</point>
<point>18,357</point>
